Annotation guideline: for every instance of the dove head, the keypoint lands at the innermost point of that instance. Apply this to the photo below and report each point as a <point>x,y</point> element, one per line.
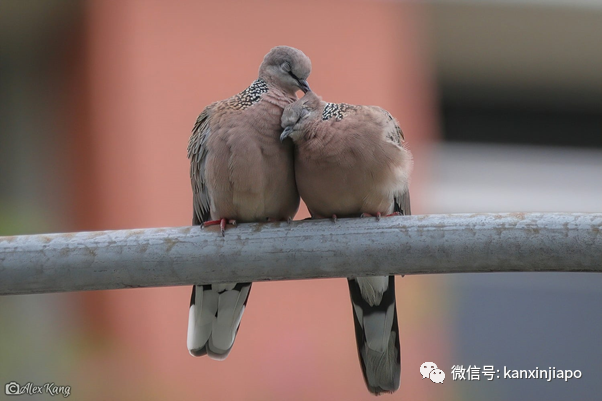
<point>297,114</point>
<point>287,68</point>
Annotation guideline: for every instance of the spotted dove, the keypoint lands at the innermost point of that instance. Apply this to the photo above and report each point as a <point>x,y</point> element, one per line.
<point>241,172</point>
<point>351,161</point>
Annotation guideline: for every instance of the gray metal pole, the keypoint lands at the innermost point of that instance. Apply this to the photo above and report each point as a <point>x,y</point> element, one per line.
<point>567,242</point>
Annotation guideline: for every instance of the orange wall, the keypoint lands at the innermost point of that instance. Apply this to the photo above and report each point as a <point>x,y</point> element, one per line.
<point>153,66</point>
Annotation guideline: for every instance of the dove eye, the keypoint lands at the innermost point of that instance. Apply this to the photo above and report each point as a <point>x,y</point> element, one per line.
<point>294,76</point>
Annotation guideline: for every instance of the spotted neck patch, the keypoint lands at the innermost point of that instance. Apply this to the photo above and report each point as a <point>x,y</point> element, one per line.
<point>249,96</point>
<point>336,110</point>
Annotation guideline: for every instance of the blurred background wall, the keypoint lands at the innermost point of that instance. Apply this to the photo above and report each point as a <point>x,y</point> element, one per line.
<point>500,101</point>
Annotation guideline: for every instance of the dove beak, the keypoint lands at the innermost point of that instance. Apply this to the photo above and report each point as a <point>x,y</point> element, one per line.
<point>287,131</point>
<point>303,85</point>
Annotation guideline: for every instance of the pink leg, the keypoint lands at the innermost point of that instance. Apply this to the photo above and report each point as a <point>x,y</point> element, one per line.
<point>221,222</point>
<point>378,215</point>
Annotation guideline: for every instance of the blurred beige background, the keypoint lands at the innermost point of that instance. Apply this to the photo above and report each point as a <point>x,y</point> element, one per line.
<point>501,105</point>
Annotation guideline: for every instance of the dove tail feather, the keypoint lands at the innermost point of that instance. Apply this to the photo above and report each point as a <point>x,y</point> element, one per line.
<point>377,336</point>
<point>214,318</point>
